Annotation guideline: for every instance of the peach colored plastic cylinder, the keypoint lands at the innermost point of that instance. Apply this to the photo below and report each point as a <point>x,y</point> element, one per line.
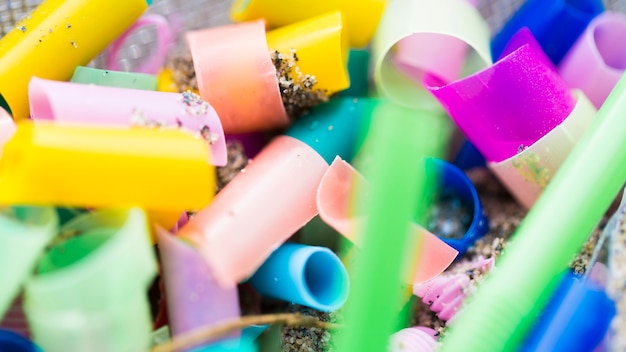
<point>236,75</point>
<point>263,206</point>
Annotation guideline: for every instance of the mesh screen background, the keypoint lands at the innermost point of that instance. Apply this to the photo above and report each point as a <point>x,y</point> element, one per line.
<point>194,14</point>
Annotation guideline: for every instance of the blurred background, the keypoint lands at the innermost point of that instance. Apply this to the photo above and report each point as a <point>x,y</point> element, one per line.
<point>193,14</point>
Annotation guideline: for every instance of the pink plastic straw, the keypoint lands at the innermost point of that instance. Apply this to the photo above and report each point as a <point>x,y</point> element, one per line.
<point>83,103</point>
<point>262,207</point>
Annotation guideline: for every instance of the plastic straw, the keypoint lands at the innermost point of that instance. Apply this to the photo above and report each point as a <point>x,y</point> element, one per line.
<point>507,304</point>
<point>398,140</point>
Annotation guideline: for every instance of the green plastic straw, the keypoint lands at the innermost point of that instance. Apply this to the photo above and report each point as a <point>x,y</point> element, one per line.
<point>399,139</point>
<point>503,309</point>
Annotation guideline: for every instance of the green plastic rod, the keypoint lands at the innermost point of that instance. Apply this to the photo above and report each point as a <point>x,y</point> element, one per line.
<point>399,138</point>
<point>503,309</point>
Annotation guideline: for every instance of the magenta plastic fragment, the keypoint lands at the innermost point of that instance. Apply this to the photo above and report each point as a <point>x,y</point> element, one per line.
<point>508,106</point>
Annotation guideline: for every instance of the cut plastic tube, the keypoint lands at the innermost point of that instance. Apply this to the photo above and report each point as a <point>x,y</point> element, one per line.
<point>81,103</point>
<point>455,23</point>
<point>333,203</point>
<point>76,31</point>
<point>441,55</point>
<point>194,299</point>
<point>91,285</point>
<point>555,23</point>
<point>240,228</point>
<point>161,44</point>
<point>321,45</point>
<point>527,173</point>
<point>275,194</point>
<point>362,16</point>
<point>307,275</point>
<point>105,167</point>
<point>508,106</point>
<point>90,75</point>
<point>575,319</point>
<point>451,181</point>
<point>502,311</point>
<point>24,233</point>
<point>597,60</point>
<point>237,77</point>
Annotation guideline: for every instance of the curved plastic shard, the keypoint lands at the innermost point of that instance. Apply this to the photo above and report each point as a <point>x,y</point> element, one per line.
<point>24,233</point>
<point>508,106</point>
<point>333,202</point>
<point>440,55</point>
<point>194,298</point>
<point>452,182</point>
<point>426,24</point>
<point>90,286</point>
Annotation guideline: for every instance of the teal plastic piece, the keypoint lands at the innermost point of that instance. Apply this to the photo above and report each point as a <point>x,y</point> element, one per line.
<point>332,129</point>
<point>240,345</point>
<point>358,70</point>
